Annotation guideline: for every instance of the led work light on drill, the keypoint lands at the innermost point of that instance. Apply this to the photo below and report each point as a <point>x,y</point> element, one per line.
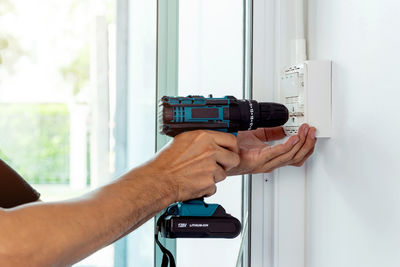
<point>195,218</point>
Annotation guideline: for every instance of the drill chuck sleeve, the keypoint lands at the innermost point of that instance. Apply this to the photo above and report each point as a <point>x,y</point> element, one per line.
<point>273,115</point>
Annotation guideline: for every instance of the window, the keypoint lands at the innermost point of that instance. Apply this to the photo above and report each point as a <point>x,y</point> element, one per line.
<point>78,97</point>
<point>56,96</point>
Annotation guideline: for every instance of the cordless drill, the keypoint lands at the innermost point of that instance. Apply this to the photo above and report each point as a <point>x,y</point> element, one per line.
<point>195,218</point>
<point>227,114</point>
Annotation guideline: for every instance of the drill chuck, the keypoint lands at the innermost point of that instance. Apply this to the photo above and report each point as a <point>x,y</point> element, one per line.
<point>227,114</point>
<point>272,115</point>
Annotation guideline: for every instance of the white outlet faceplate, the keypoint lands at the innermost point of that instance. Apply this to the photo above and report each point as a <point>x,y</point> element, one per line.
<point>305,89</point>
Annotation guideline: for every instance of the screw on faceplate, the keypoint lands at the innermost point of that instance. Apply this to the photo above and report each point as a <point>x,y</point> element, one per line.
<point>296,114</point>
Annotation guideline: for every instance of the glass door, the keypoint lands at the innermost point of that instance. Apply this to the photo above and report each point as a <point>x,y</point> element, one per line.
<point>204,47</point>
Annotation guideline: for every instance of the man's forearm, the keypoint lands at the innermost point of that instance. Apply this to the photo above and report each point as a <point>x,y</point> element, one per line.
<point>61,233</point>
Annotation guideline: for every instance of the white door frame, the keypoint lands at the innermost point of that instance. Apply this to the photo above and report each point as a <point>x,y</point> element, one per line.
<point>263,84</point>
<point>278,198</point>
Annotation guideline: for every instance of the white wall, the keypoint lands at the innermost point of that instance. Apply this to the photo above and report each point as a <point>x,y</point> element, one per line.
<point>353,179</point>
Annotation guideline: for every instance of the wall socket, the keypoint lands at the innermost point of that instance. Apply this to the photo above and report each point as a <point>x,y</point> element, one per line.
<point>306,90</point>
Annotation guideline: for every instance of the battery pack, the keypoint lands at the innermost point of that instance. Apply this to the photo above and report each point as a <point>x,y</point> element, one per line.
<point>200,227</point>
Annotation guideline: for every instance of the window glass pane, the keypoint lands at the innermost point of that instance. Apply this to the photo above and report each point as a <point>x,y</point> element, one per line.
<point>56,96</point>
<point>211,62</point>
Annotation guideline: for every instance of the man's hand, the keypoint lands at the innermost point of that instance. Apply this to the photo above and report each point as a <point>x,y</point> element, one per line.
<point>194,162</point>
<point>258,157</point>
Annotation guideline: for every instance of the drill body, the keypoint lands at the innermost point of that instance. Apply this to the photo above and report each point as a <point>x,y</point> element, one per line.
<point>195,218</point>
<point>227,114</point>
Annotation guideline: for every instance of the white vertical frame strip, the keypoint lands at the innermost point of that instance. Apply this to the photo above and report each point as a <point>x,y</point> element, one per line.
<point>263,90</point>
<point>100,136</point>
<point>278,199</point>
<point>121,106</point>
<point>289,182</point>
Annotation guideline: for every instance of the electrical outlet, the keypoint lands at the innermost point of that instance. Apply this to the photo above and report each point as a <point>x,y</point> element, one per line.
<point>305,89</point>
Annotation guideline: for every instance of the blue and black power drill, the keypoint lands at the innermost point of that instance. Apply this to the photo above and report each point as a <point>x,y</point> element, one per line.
<point>195,218</point>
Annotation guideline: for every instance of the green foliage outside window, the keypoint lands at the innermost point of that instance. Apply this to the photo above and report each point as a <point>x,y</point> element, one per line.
<point>35,141</point>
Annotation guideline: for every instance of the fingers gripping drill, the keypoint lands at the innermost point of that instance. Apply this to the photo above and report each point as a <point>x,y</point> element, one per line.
<point>195,218</point>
